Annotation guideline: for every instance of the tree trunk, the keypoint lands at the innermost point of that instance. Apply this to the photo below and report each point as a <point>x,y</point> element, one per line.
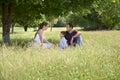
<point>6,21</point>
<point>12,28</point>
<point>25,28</point>
<point>52,24</point>
<point>51,27</point>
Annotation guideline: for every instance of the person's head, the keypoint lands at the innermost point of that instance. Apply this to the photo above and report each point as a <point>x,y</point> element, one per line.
<point>62,33</point>
<point>43,25</point>
<point>69,26</point>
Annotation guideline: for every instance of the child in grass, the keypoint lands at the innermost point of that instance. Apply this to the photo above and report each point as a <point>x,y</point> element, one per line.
<point>63,41</point>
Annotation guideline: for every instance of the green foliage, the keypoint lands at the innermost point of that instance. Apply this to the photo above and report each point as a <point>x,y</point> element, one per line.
<point>77,20</point>
<point>32,9</point>
<point>7,1</point>
<point>109,10</point>
<point>61,22</point>
<point>91,20</point>
<point>108,14</point>
<point>93,17</point>
<point>28,12</point>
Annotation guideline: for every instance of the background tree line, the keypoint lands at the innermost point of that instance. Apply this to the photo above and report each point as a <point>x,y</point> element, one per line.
<point>88,14</point>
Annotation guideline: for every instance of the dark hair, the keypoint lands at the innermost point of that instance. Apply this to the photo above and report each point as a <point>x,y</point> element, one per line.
<point>63,32</point>
<point>40,27</point>
<point>70,25</point>
<point>42,24</point>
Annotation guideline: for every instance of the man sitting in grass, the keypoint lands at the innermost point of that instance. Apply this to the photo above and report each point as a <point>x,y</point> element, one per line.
<point>73,37</point>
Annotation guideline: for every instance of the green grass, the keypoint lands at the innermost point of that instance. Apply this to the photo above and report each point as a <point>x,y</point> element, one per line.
<point>98,59</point>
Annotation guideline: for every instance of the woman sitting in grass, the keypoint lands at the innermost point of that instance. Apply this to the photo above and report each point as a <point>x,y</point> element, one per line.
<point>39,36</point>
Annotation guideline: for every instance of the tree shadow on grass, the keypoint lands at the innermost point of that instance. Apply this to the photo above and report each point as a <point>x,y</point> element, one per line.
<point>19,32</point>
<point>53,41</point>
<point>20,42</point>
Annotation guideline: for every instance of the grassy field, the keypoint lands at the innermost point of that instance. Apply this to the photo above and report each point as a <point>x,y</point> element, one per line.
<point>98,59</point>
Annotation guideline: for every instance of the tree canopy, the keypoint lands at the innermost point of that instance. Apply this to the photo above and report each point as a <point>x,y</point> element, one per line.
<point>109,10</point>
<point>29,11</point>
<point>102,13</point>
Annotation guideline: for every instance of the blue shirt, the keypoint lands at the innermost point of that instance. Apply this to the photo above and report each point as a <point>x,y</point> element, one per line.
<point>63,43</point>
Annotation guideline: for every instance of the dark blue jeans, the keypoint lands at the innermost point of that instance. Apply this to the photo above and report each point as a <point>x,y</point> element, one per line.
<point>79,41</point>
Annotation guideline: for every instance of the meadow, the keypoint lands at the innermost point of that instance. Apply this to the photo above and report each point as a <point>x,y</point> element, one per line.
<point>97,59</point>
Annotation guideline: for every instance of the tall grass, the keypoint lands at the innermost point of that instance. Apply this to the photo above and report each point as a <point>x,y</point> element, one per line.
<point>98,59</point>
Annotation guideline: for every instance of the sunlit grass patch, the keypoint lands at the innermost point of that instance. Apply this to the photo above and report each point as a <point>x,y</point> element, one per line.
<point>98,59</point>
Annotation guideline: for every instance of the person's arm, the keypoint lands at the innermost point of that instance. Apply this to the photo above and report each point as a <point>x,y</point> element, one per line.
<point>76,35</point>
<point>40,35</point>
